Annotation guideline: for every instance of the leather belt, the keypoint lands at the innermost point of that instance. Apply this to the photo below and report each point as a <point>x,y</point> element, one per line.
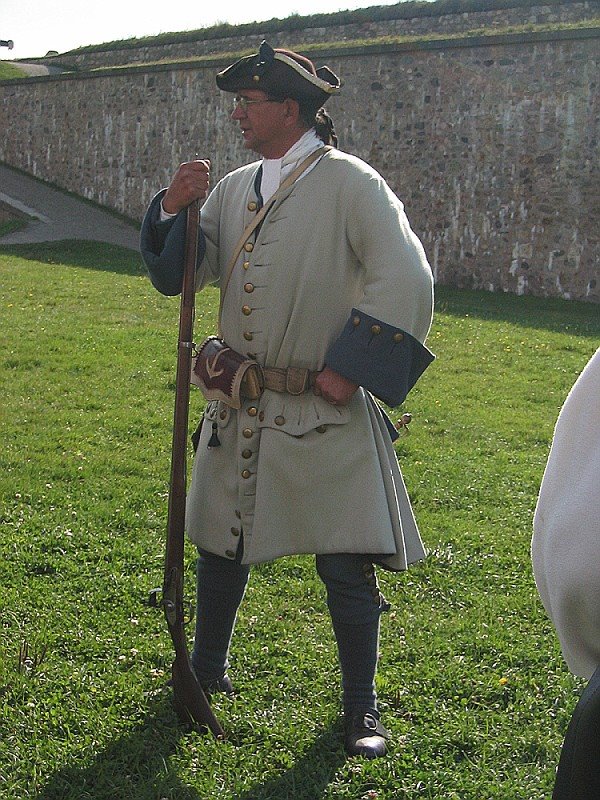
<point>293,380</point>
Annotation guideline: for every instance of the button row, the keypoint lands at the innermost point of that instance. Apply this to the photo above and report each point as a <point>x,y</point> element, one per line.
<point>376,329</point>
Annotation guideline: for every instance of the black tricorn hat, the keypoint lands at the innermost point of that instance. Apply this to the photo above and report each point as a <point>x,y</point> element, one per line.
<point>280,73</point>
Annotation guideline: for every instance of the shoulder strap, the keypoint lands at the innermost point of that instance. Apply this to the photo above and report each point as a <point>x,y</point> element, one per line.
<point>261,215</point>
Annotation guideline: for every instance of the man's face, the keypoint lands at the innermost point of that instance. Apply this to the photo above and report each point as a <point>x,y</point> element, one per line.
<point>262,123</point>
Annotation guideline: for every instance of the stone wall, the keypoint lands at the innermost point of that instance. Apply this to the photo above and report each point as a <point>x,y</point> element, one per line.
<point>492,144</point>
<point>444,24</point>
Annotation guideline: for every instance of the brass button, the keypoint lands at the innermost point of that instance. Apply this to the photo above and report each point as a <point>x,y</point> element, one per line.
<point>246,473</point>
<point>256,78</point>
<point>356,321</point>
<point>249,288</point>
<point>279,420</point>
<point>248,336</point>
<point>376,330</point>
<point>252,411</point>
<point>246,264</point>
<point>235,531</point>
<point>398,337</point>
<point>223,414</point>
<point>230,553</point>
<point>247,433</point>
<point>246,453</point>
<point>252,206</point>
<point>248,247</point>
<point>246,310</point>
<point>321,429</point>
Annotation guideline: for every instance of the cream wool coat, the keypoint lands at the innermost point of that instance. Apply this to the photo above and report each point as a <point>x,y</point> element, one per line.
<point>566,527</point>
<point>296,474</point>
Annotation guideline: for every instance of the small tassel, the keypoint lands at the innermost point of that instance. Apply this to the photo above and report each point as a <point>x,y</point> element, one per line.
<point>214,439</point>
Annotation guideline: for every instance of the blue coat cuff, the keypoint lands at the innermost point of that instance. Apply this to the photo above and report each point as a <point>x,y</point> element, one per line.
<point>385,360</point>
<point>391,428</point>
<point>162,245</point>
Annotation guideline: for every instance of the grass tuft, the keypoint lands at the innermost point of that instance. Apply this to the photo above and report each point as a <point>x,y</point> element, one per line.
<point>11,225</point>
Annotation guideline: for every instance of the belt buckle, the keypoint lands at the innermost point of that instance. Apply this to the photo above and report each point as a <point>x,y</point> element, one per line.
<point>296,380</point>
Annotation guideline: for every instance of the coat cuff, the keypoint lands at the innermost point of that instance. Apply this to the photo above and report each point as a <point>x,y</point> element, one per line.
<point>385,360</point>
<point>162,245</point>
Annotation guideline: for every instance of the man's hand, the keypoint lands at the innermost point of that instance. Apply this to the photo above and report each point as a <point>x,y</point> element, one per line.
<point>190,182</point>
<point>334,388</point>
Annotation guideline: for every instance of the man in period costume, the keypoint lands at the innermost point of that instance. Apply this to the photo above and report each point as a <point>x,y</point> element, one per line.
<point>332,296</point>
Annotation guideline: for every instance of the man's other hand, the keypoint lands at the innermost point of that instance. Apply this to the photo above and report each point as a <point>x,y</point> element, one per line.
<point>334,388</point>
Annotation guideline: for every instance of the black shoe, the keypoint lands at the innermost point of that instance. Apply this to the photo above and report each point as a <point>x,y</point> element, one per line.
<point>365,735</point>
<point>223,684</point>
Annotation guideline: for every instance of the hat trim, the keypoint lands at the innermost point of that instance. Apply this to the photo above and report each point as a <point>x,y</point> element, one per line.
<point>314,79</point>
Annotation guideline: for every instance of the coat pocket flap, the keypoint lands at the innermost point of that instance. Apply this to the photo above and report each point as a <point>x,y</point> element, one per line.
<point>299,415</point>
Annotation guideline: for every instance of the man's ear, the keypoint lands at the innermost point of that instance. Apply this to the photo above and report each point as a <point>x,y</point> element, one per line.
<point>291,110</point>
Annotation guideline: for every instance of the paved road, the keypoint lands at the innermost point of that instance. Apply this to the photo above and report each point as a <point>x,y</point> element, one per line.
<point>58,215</point>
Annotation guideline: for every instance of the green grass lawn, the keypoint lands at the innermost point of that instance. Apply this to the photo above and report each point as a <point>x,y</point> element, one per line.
<point>8,70</point>
<point>471,680</point>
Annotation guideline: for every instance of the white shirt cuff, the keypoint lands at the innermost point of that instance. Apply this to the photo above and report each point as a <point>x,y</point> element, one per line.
<point>164,215</point>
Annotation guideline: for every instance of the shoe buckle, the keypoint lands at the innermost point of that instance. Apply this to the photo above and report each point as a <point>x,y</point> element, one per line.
<point>370,722</point>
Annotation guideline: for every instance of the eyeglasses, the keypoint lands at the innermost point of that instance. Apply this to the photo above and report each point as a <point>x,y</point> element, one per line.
<point>244,102</point>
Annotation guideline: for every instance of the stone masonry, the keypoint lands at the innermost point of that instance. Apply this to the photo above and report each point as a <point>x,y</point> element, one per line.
<point>492,144</point>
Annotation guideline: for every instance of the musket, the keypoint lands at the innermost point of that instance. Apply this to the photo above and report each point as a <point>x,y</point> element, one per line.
<point>190,701</point>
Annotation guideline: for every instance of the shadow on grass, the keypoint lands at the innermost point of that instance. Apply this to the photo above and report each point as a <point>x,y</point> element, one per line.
<point>547,313</point>
<point>136,767</point>
<point>310,775</point>
<point>80,253</point>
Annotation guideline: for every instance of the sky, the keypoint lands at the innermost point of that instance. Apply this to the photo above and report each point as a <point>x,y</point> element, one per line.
<point>37,26</point>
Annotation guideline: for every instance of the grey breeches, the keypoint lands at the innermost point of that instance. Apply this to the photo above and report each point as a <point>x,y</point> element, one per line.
<point>353,599</point>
